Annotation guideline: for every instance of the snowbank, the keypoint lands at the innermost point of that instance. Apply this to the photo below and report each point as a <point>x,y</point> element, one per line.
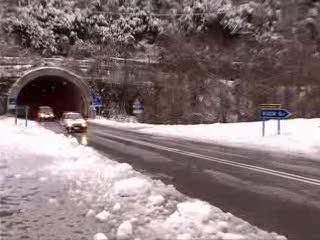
<point>128,204</point>
<point>298,136</point>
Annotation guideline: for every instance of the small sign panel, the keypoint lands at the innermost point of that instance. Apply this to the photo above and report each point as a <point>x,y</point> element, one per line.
<point>96,101</point>
<point>137,107</point>
<point>270,105</point>
<point>12,103</point>
<point>274,113</point>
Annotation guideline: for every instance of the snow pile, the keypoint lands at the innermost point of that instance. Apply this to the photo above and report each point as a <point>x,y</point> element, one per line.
<point>299,136</point>
<point>102,216</point>
<point>215,224</point>
<point>198,211</point>
<point>124,231</point>
<point>131,187</point>
<point>100,236</point>
<point>121,202</point>
<point>124,119</point>
<point>157,200</point>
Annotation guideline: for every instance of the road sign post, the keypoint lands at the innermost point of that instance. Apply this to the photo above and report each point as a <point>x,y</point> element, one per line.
<point>96,102</point>
<point>99,111</point>
<point>26,111</point>
<point>16,116</point>
<point>18,111</point>
<point>272,111</point>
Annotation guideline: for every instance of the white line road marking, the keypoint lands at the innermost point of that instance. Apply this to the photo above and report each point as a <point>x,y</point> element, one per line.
<point>214,151</point>
<point>286,175</point>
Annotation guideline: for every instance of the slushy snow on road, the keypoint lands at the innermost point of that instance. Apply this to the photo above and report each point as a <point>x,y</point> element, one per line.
<point>104,199</point>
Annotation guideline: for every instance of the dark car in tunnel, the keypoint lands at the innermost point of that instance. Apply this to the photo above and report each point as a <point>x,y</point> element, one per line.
<point>73,122</point>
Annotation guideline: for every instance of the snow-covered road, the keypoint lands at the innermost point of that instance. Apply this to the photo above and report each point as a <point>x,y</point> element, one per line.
<point>278,192</point>
<point>53,188</point>
<point>298,136</point>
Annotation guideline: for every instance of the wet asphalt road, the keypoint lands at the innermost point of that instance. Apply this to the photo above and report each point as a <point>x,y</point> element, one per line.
<point>278,193</point>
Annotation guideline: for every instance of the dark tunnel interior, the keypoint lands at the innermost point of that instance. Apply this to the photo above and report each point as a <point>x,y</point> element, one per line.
<point>56,92</point>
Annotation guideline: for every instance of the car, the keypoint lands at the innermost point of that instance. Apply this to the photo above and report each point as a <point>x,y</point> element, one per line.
<point>45,113</point>
<point>73,122</point>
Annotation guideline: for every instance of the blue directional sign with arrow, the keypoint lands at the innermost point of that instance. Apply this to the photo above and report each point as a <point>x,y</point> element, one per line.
<point>274,113</point>
<point>96,101</point>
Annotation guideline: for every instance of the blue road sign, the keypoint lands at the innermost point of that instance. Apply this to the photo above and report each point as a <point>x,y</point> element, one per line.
<point>96,101</point>
<point>137,107</point>
<point>274,113</point>
<point>12,101</point>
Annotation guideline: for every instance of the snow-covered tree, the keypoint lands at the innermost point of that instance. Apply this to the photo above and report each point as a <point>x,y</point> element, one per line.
<point>53,26</point>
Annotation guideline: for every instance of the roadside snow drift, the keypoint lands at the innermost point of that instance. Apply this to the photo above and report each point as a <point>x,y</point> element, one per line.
<point>298,136</point>
<point>123,203</point>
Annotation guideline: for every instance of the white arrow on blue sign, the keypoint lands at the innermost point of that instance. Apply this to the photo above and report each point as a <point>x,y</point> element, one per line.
<point>96,101</point>
<point>274,113</point>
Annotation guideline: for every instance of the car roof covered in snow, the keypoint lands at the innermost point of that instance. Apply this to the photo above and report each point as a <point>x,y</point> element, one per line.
<point>45,108</point>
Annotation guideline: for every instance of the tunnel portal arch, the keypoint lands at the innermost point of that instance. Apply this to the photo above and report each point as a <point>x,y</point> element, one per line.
<point>42,74</point>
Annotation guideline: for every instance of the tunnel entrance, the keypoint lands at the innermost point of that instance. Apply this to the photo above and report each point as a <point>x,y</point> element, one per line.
<point>53,87</point>
<point>55,92</point>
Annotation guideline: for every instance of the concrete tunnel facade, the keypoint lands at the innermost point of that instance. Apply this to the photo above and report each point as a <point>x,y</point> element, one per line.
<point>50,86</point>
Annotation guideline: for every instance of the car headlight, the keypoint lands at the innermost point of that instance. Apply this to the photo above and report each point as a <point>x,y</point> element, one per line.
<point>84,140</point>
<point>69,124</point>
<point>83,124</point>
<point>41,115</point>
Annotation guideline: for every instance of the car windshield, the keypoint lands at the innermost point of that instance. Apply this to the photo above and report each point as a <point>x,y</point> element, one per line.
<point>72,116</point>
<point>45,109</point>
